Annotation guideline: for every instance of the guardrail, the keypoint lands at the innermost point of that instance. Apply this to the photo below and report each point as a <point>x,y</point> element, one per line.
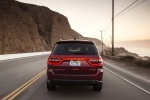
<point>20,55</point>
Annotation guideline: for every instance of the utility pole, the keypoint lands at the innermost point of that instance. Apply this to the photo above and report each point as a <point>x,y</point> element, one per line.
<point>112,27</point>
<point>102,39</point>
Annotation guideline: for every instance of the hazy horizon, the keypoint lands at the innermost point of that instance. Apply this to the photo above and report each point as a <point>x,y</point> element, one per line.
<point>131,43</point>
<point>140,47</point>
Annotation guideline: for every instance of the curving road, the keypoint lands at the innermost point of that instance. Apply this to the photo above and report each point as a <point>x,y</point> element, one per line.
<point>29,74</point>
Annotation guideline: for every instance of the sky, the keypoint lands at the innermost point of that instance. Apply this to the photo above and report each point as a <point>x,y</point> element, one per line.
<point>89,17</point>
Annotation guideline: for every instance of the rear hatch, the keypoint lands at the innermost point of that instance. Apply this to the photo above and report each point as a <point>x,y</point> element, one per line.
<point>75,57</point>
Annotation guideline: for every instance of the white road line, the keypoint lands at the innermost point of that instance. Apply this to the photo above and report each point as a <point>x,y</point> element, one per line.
<point>127,81</point>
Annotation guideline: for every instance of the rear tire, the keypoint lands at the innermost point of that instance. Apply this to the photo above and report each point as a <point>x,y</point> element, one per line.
<point>97,86</point>
<point>50,86</point>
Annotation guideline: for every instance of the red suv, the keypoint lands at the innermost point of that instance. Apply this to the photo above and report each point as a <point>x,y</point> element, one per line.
<point>74,62</point>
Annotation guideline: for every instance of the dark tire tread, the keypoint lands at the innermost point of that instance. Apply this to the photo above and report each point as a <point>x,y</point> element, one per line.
<point>50,86</point>
<point>97,86</point>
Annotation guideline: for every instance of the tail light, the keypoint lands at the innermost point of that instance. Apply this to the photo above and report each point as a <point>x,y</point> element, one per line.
<point>92,61</point>
<point>54,61</point>
<point>95,61</point>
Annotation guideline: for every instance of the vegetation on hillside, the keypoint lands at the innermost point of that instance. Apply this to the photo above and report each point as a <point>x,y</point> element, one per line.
<point>123,55</point>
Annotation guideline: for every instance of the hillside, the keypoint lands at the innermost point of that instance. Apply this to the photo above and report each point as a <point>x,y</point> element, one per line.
<point>31,28</point>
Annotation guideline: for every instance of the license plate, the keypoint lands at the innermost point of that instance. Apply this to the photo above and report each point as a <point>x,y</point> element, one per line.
<point>75,63</point>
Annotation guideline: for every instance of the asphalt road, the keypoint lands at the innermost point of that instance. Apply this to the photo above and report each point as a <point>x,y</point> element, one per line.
<point>117,83</point>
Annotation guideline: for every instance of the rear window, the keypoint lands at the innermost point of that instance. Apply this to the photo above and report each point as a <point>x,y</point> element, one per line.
<point>75,48</point>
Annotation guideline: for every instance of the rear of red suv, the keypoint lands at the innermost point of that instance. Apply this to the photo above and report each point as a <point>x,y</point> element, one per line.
<point>74,62</point>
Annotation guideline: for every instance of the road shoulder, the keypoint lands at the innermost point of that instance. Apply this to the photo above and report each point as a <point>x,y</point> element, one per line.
<point>134,70</point>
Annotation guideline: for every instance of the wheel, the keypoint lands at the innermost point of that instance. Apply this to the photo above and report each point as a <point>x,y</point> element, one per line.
<point>50,86</point>
<point>97,86</point>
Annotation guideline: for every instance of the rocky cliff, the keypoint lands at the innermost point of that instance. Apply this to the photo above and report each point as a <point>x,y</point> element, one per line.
<point>31,28</point>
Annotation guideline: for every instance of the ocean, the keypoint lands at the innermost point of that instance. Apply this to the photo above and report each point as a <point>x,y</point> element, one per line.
<point>142,48</point>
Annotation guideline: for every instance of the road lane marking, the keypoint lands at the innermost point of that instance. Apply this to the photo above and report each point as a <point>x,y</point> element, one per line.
<point>127,81</point>
<point>15,93</point>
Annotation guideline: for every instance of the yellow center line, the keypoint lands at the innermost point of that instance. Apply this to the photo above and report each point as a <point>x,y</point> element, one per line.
<point>23,87</point>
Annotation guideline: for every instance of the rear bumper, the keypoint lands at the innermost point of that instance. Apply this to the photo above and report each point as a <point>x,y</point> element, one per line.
<point>62,79</point>
<point>73,82</point>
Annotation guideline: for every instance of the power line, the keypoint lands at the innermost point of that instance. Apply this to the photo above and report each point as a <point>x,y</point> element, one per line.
<point>108,25</point>
<point>125,8</point>
<point>134,6</point>
<point>125,12</point>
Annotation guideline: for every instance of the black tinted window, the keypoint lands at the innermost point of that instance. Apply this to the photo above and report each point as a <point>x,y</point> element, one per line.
<point>75,48</point>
